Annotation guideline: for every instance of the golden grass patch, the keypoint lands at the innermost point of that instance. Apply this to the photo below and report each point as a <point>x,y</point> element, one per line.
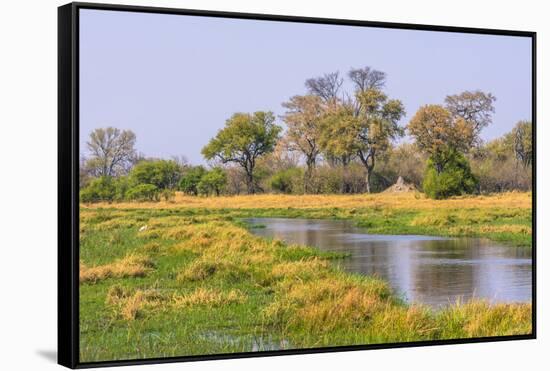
<point>132,265</point>
<point>401,323</point>
<point>433,220</point>
<point>130,305</point>
<point>481,318</point>
<point>507,228</point>
<point>202,269</point>
<point>325,304</point>
<point>480,229</point>
<point>209,297</point>
<point>379,200</point>
<point>116,223</point>
<point>302,269</point>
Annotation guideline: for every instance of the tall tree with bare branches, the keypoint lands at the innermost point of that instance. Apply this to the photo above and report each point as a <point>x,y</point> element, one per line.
<point>304,122</point>
<point>327,87</point>
<point>112,151</point>
<point>475,108</point>
<point>367,78</point>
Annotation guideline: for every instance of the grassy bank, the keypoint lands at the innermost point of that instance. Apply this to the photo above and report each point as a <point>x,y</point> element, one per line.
<point>195,281</point>
<point>502,217</point>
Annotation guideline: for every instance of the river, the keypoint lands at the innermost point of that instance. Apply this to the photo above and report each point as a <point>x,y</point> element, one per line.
<point>434,271</point>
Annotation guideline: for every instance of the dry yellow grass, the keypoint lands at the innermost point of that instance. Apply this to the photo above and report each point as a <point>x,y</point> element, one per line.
<point>384,200</point>
<point>201,269</point>
<point>131,305</point>
<point>209,297</point>
<point>302,269</point>
<point>481,318</point>
<point>325,304</point>
<point>405,323</point>
<point>130,266</point>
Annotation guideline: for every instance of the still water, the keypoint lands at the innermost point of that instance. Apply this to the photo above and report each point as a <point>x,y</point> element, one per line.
<point>432,270</point>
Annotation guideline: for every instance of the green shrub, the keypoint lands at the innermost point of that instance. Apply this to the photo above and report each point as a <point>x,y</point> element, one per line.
<point>161,173</point>
<point>455,178</point>
<point>190,180</point>
<point>287,181</point>
<point>99,189</point>
<point>122,185</point>
<point>143,192</point>
<point>212,182</point>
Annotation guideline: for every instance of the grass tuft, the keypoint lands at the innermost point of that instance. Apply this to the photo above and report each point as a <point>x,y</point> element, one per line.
<point>131,265</point>
<point>209,297</point>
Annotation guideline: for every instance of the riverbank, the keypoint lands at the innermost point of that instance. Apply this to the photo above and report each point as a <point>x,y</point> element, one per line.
<point>179,280</point>
<point>505,217</point>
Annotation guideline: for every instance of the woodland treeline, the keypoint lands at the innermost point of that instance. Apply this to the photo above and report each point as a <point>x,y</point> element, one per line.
<point>328,141</point>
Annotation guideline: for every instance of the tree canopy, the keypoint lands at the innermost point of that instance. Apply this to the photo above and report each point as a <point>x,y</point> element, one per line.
<point>303,119</point>
<point>366,130</point>
<point>475,108</point>
<point>244,138</point>
<point>436,130</point>
<point>112,151</point>
<point>164,174</point>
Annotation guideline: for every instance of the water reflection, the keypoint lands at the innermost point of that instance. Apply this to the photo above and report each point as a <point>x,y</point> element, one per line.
<point>431,270</point>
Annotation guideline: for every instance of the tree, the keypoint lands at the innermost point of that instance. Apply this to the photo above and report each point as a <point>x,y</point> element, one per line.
<point>212,182</point>
<point>190,180</point>
<point>304,121</point>
<point>338,135</point>
<point>164,174</point>
<point>367,78</point>
<point>454,179</point>
<point>495,164</point>
<point>475,108</point>
<point>378,125</point>
<point>112,151</point>
<point>366,130</point>
<point>326,87</point>
<point>435,131</point>
<point>244,139</point>
<point>362,124</point>
<point>523,142</point>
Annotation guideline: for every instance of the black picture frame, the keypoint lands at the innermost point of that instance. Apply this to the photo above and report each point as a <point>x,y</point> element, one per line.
<point>68,179</point>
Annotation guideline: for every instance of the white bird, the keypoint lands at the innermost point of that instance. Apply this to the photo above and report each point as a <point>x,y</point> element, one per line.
<point>143,228</point>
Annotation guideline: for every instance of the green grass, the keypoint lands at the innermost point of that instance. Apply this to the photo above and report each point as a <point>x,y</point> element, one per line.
<point>209,286</point>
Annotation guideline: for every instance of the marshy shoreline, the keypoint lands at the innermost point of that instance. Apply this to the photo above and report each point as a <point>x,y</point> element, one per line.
<point>158,278</point>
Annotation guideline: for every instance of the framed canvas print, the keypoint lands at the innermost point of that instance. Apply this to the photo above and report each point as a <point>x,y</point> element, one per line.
<point>238,185</point>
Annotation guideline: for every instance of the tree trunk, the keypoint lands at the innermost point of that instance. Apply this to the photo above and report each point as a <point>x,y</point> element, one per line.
<point>249,170</point>
<point>367,178</point>
<point>368,167</point>
<point>250,184</point>
<point>345,172</point>
<point>310,163</point>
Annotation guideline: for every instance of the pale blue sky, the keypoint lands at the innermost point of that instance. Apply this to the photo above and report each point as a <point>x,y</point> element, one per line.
<point>174,79</point>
